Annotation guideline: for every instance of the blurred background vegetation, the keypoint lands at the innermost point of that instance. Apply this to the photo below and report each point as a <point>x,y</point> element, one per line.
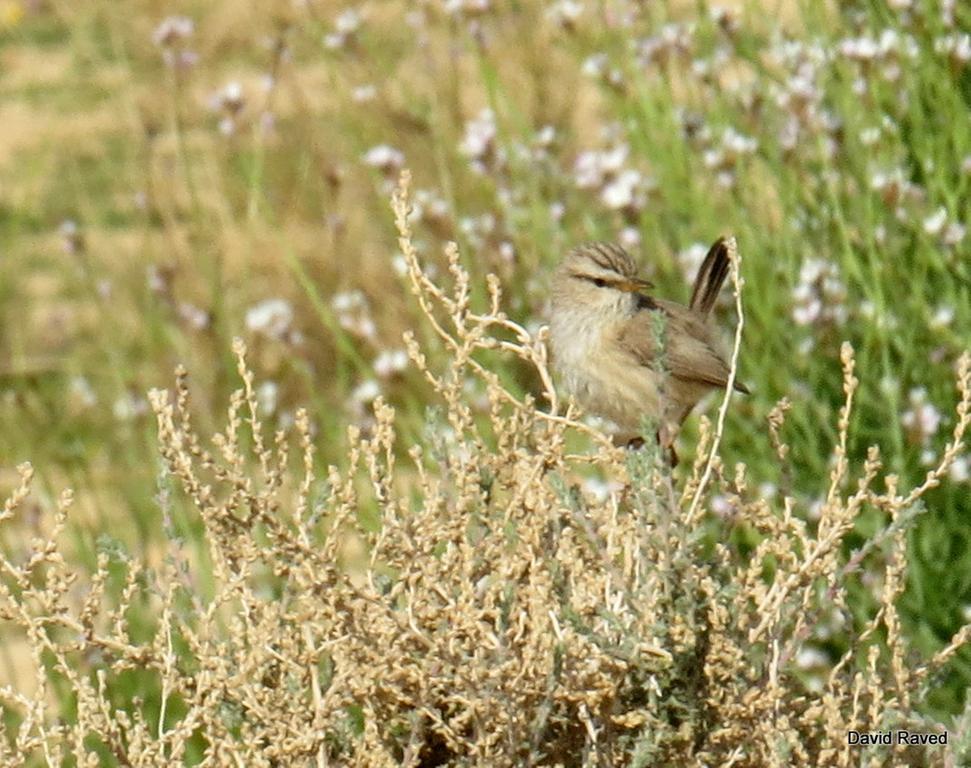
<point>174,174</point>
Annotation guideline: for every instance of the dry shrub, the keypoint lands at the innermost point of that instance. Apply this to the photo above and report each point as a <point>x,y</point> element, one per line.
<point>497,616</point>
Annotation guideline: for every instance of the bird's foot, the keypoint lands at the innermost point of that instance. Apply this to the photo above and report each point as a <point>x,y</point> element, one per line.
<point>665,438</point>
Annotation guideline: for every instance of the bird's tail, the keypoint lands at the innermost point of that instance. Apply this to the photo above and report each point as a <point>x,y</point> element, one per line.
<point>711,276</point>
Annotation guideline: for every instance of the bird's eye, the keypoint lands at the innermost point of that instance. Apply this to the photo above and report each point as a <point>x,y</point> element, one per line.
<point>599,283</point>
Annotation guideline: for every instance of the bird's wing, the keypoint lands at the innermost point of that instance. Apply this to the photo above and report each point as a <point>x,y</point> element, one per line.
<point>689,352</point>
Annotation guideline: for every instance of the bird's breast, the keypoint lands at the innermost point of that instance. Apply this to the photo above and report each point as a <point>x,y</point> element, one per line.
<point>599,373</point>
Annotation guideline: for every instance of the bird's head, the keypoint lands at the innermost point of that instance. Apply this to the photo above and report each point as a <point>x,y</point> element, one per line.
<point>598,276</point>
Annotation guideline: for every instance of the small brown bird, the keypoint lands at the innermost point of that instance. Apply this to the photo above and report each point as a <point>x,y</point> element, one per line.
<point>605,333</point>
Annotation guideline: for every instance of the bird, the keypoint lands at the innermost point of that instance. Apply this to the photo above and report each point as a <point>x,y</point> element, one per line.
<point>626,355</point>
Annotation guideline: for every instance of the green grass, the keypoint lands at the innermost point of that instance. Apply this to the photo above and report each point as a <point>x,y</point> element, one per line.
<point>296,214</point>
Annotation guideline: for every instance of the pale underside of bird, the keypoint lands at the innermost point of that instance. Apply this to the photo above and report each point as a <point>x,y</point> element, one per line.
<point>628,356</point>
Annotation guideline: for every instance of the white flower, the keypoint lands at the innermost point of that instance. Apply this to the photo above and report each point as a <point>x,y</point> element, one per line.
<point>389,362</point>
<point>934,224</point>
<point>620,193</point>
<point>819,294</point>
<point>802,85</point>
<point>807,313</point>
<point>364,93</point>
<point>953,233</point>
<point>363,326</point>
<point>345,27</point>
<point>701,68</point>
<point>713,158</point>
<point>859,48</point>
<point>365,392</point>
<point>960,471</point>
<point>812,269</point>
<point>129,406</point>
<point>929,419</point>
<point>922,419</point>
<point>613,160</point>
<point>595,66</point>
<point>430,205</point>
<point>814,684</point>
<point>737,143</point>
<point>587,172</point>
<point>352,312</point>
<point>879,180</point>
<point>947,12</point>
<point>172,30</point>
<point>348,22</point>
<point>194,316</point>
<point>467,7</point>
<point>768,490</point>
<point>804,292</point>
<point>229,97</point>
<point>480,135</point>
<point>72,239</point>
<point>600,490</point>
<point>384,157</point>
<point>943,317</point>
<point>267,396</point>
<point>333,41</point>
<point>565,12</point>
<point>889,41</point>
<point>271,318</point>
<point>545,136</point>
<point>629,237</point>
<point>811,658</point>
<point>955,45</point>
<point>720,505</point>
<point>156,279</point>
<point>347,301</point>
<point>81,391</point>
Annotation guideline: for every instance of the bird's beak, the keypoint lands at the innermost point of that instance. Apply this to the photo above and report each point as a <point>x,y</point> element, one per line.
<point>635,285</point>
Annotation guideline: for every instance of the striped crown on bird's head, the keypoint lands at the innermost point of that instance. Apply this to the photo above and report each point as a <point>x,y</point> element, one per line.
<point>609,257</point>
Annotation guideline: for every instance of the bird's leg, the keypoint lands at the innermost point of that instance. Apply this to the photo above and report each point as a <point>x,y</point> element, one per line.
<point>667,445</point>
<point>666,435</point>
